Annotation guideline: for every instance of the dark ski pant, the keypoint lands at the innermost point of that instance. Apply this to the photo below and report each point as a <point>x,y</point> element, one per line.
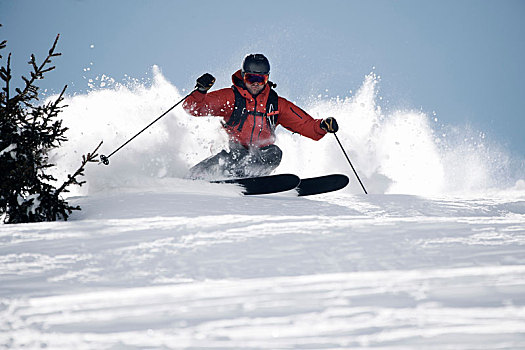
<point>238,162</point>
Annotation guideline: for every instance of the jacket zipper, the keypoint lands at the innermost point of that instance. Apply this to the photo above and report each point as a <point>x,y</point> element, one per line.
<point>254,120</point>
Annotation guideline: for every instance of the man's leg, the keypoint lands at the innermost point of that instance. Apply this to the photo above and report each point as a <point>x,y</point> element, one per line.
<point>262,161</point>
<point>238,162</point>
<point>210,168</point>
<point>220,166</point>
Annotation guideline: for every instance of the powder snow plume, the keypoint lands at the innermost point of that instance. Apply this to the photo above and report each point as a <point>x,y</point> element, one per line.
<point>402,151</point>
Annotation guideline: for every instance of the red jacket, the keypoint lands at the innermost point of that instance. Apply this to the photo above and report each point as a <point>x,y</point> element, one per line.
<point>256,131</point>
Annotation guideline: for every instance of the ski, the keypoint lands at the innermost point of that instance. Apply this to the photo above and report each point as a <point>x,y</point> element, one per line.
<point>265,184</point>
<point>321,184</point>
<point>285,182</point>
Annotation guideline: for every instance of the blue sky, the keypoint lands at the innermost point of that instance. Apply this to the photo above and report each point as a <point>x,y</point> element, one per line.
<point>462,59</point>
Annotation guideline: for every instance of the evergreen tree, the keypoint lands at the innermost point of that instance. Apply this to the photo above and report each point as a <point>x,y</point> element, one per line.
<point>28,132</point>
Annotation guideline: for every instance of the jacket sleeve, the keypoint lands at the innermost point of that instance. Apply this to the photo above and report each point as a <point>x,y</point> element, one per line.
<point>217,103</point>
<point>296,120</point>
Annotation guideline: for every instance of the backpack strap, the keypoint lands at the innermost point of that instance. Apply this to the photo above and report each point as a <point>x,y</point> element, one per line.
<point>272,109</point>
<point>239,114</point>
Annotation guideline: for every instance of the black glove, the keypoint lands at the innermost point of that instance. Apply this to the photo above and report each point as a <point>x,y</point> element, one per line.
<point>329,125</point>
<point>205,82</point>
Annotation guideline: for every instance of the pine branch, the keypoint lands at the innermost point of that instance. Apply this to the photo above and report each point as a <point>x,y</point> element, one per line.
<point>5,74</point>
<point>3,44</point>
<point>36,74</point>
<point>72,179</point>
<point>54,108</point>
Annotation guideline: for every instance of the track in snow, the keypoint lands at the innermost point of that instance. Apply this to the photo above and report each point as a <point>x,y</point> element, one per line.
<point>192,270</point>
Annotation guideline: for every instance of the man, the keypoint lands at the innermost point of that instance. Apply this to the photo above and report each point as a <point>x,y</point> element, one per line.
<point>251,110</point>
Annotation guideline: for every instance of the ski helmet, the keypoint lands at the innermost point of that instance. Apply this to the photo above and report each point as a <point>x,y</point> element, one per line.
<point>256,63</point>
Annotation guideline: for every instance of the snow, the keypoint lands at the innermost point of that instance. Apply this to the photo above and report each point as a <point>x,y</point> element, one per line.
<point>154,261</point>
<point>197,270</point>
<point>9,149</point>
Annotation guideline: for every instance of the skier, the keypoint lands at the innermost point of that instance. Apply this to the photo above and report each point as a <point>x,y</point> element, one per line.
<point>251,110</point>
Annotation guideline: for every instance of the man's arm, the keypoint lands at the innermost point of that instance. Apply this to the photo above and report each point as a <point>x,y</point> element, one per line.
<point>217,103</point>
<point>296,120</point>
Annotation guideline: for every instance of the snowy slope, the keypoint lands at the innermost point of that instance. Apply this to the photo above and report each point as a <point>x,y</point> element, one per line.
<point>433,258</point>
<point>188,269</point>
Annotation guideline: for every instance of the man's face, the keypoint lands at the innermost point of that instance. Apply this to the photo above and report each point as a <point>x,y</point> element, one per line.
<point>254,88</point>
<point>255,83</point>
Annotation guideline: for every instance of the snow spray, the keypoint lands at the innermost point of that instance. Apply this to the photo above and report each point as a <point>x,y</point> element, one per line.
<point>403,151</point>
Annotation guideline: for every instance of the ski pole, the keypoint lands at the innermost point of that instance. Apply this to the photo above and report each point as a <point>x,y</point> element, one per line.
<point>105,159</point>
<point>349,162</point>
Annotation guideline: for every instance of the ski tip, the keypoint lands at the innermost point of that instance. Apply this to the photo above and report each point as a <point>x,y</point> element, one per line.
<point>322,184</point>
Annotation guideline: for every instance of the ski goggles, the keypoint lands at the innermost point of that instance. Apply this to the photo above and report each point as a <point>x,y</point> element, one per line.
<point>252,78</point>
